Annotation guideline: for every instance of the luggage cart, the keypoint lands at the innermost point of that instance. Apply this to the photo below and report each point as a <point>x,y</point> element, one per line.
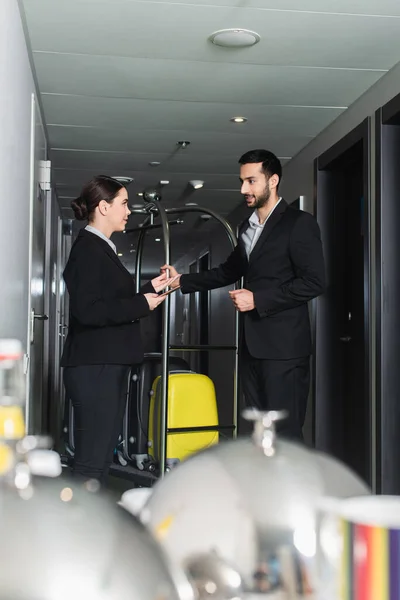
<point>152,209</point>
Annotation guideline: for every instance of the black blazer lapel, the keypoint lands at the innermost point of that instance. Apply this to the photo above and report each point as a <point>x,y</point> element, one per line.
<point>107,249</point>
<point>268,227</point>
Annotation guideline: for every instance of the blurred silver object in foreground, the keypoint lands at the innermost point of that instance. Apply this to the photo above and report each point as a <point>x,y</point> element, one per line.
<point>241,517</point>
<point>67,541</point>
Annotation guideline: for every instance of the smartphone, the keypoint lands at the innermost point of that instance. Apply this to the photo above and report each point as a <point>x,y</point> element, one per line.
<point>169,291</point>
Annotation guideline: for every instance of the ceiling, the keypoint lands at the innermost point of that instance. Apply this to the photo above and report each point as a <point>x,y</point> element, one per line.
<point>122,81</point>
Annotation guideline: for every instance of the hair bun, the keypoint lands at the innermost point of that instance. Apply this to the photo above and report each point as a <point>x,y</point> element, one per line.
<point>80,209</point>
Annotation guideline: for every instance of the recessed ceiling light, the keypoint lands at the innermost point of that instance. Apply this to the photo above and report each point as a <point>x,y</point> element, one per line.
<point>191,204</point>
<point>120,254</point>
<point>205,217</point>
<point>122,179</point>
<point>164,182</point>
<point>238,119</point>
<point>157,239</point>
<point>154,163</point>
<point>196,184</point>
<point>234,38</point>
<point>140,193</point>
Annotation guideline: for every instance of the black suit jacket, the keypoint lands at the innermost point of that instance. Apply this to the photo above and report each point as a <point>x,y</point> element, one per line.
<point>285,271</point>
<point>104,308</point>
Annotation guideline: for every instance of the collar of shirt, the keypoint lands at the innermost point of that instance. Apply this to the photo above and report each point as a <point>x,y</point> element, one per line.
<point>254,220</point>
<point>252,234</point>
<point>102,236</point>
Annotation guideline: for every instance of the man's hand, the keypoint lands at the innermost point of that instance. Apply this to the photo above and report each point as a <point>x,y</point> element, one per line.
<point>173,273</point>
<point>243,300</point>
<point>162,281</point>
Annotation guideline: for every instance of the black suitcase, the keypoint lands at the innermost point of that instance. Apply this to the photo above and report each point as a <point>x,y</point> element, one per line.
<point>133,442</point>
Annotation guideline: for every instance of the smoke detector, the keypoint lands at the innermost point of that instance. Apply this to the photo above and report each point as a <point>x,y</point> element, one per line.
<point>234,38</point>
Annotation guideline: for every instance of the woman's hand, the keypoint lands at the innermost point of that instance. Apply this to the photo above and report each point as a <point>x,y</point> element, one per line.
<point>162,281</point>
<point>154,300</point>
<point>176,277</point>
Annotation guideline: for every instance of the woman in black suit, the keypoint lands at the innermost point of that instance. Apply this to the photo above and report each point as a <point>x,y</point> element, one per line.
<point>104,332</point>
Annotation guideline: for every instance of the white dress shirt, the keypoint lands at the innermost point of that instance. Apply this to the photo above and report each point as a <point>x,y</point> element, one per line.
<point>252,233</point>
<point>102,236</point>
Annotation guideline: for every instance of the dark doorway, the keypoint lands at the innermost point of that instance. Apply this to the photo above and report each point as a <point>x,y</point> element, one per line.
<point>388,298</point>
<point>341,361</point>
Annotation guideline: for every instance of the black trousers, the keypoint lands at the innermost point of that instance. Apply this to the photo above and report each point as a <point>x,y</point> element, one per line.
<point>278,385</point>
<point>98,394</point>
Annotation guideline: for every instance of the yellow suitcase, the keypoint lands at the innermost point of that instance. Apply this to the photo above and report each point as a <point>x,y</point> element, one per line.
<point>191,403</point>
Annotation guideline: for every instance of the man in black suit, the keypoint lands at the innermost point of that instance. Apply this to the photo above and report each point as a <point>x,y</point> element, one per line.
<point>279,254</point>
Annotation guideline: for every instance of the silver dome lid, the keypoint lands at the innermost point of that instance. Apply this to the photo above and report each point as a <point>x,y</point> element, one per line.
<point>241,517</point>
<point>63,541</point>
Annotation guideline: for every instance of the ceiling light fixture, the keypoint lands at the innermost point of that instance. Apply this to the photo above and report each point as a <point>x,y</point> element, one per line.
<point>137,205</point>
<point>238,119</point>
<point>154,163</point>
<point>164,182</point>
<point>122,179</point>
<point>158,239</point>
<point>120,254</point>
<point>140,193</point>
<point>196,184</point>
<point>234,38</point>
<point>191,204</point>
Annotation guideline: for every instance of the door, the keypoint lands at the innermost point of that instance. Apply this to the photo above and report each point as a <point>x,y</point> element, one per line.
<point>36,342</point>
<point>59,326</point>
<point>63,316</point>
<point>342,355</point>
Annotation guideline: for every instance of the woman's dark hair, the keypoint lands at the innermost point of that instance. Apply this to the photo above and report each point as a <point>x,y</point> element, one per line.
<point>97,189</point>
<point>271,165</point>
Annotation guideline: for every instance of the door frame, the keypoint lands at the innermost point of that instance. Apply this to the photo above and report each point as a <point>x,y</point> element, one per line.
<point>33,197</point>
<point>361,133</point>
<point>386,298</point>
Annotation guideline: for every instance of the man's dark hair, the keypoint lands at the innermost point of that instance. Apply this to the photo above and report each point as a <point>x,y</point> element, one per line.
<point>271,165</point>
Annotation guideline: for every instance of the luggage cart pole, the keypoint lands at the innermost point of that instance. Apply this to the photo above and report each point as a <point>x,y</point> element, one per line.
<point>236,402</point>
<point>165,343</point>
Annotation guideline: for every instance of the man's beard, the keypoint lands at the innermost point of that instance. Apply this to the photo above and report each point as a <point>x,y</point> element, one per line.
<point>263,199</point>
